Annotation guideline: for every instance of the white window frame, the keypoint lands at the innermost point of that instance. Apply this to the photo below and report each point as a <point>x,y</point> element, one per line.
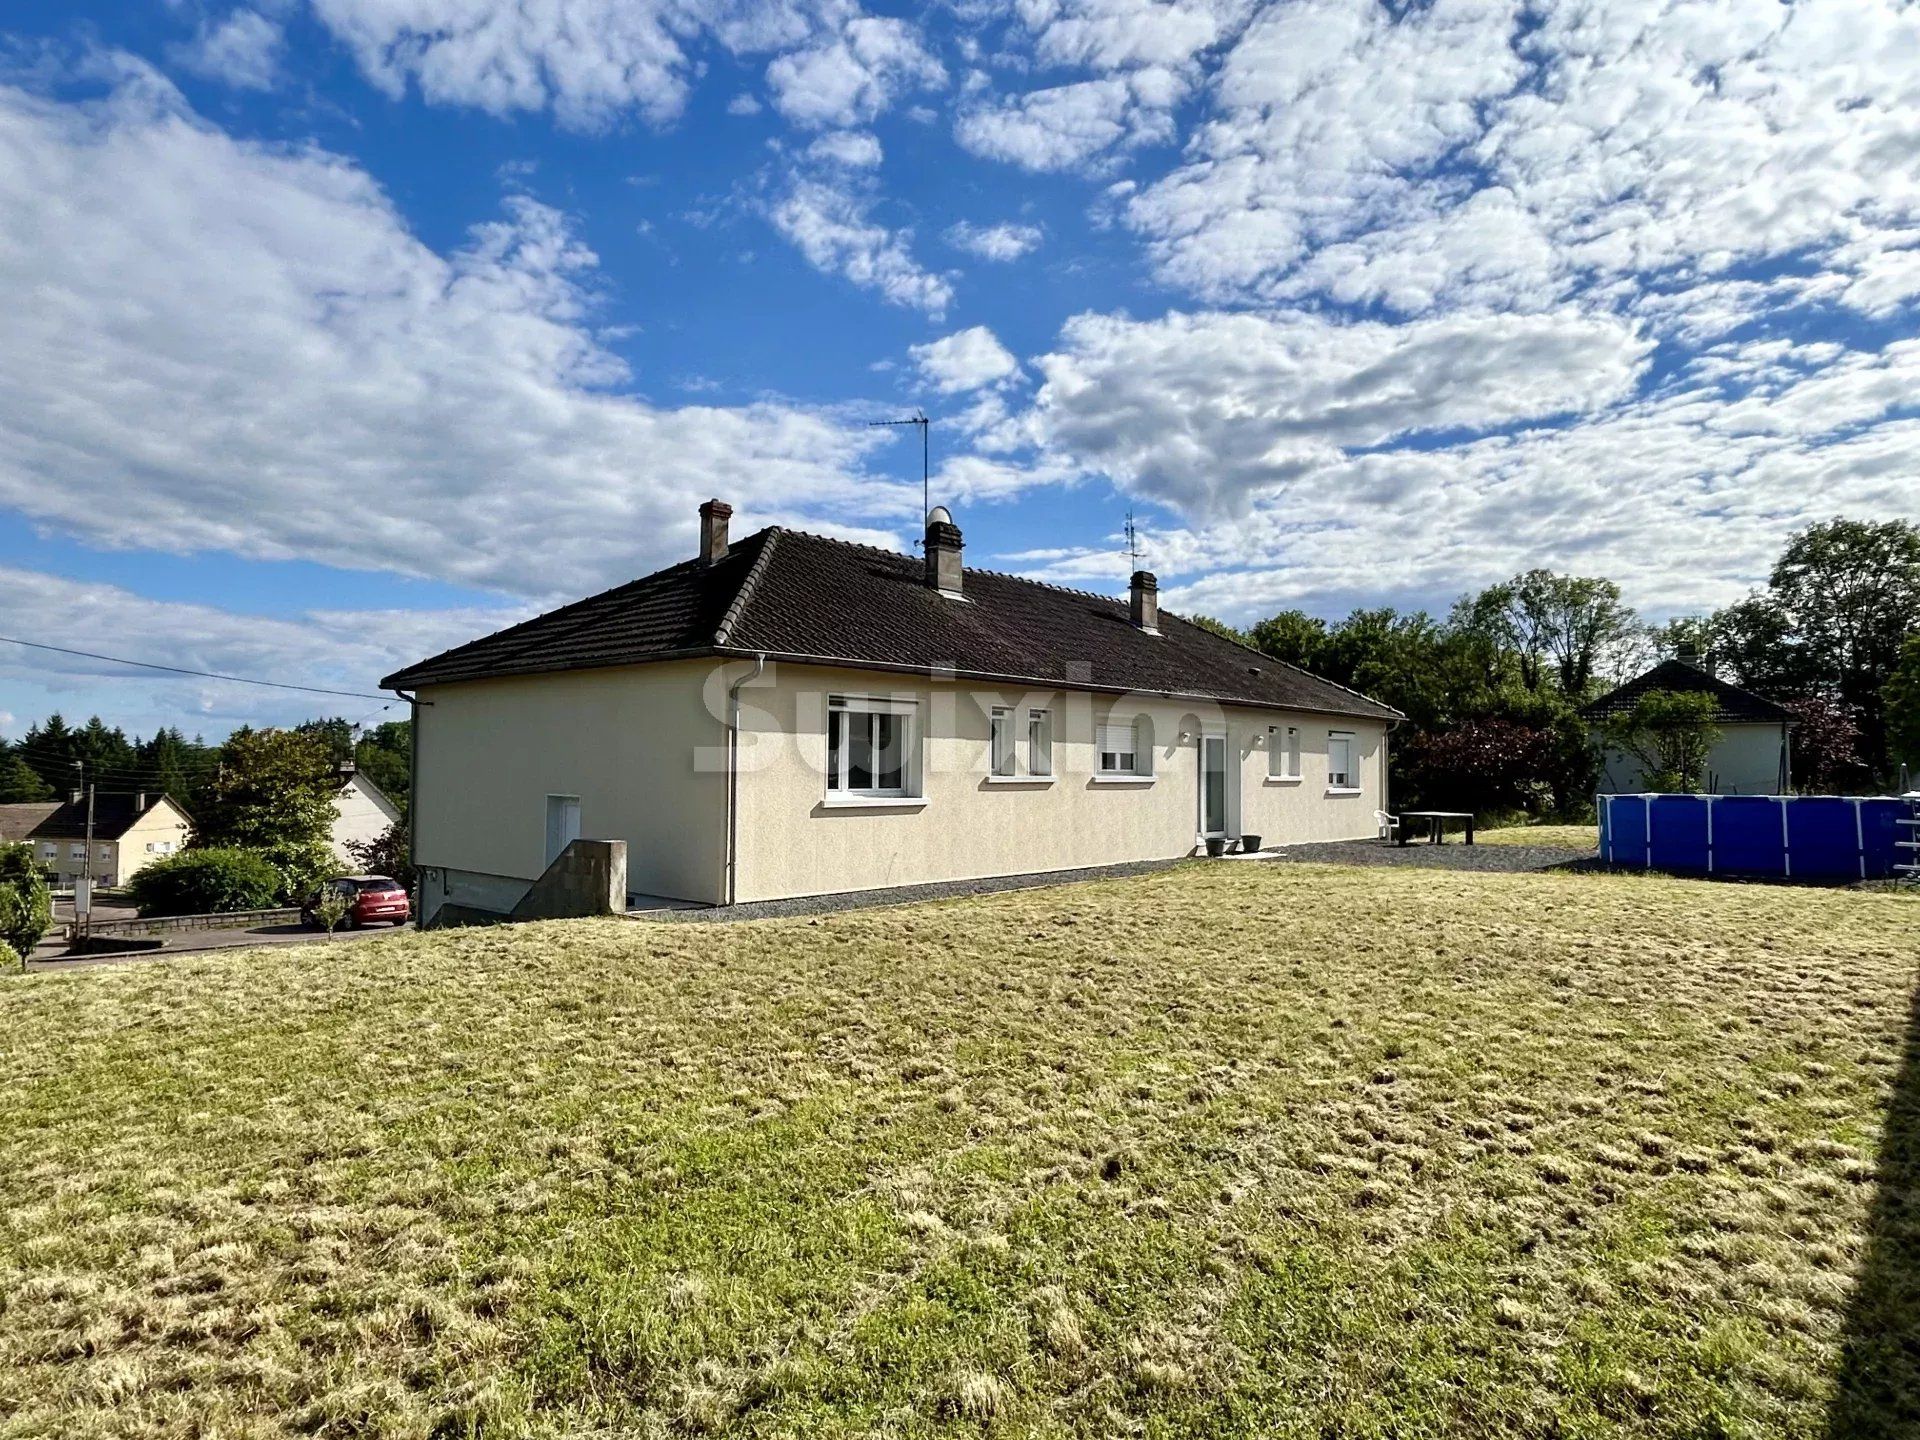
<point>1000,748</point>
<point>1108,742</point>
<point>1040,742</point>
<point>837,776</point>
<point>77,852</point>
<point>1342,781</point>
<point>1283,754</point>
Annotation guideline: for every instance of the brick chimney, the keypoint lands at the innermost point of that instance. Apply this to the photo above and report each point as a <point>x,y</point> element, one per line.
<point>1143,591</point>
<point>1688,653</point>
<point>943,552</point>
<point>713,531</point>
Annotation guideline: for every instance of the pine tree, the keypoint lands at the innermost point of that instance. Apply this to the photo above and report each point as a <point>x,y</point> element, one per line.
<point>19,781</point>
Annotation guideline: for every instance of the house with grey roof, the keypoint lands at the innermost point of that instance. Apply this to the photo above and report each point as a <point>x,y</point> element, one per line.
<point>794,715</point>
<point>1753,754</point>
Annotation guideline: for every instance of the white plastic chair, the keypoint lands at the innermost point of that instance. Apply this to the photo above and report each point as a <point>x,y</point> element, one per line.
<point>1388,823</point>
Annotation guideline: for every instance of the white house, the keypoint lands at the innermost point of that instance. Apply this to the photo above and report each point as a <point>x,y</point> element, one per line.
<point>1752,755</point>
<point>795,715</point>
<point>361,813</point>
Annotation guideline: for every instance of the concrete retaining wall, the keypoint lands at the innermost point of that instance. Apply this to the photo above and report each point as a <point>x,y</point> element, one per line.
<point>177,924</point>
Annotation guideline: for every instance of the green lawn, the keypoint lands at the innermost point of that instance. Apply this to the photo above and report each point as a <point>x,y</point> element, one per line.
<point>1565,837</point>
<point>1250,1150</point>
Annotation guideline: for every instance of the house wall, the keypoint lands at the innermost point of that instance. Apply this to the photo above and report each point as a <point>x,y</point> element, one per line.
<point>1744,761</point>
<point>792,842</point>
<point>623,740</point>
<point>361,814</point>
<point>160,832</point>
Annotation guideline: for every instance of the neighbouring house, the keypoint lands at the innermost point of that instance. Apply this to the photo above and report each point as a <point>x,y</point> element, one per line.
<point>793,715</point>
<point>18,819</point>
<point>1752,755</point>
<point>361,812</point>
<point>130,832</point>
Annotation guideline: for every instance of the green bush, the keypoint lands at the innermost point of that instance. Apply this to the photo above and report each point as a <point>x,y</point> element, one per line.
<point>303,867</point>
<point>206,882</point>
<point>9,957</point>
<point>26,906</point>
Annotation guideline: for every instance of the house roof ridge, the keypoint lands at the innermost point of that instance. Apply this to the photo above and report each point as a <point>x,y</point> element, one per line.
<point>970,569</point>
<point>737,607</point>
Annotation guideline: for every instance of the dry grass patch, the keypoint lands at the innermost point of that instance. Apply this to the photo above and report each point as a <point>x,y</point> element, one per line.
<point>1225,1150</point>
<point>1562,837</point>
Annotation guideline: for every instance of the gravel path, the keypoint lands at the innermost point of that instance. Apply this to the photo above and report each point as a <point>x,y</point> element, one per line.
<point>1452,856</point>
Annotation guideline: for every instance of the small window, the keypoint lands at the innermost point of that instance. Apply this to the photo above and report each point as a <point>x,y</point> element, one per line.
<point>1120,752</point>
<point>76,852</point>
<point>1339,760</point>
<point>869,746</point>
<point>1039,742</point>
<point>1002,740</point>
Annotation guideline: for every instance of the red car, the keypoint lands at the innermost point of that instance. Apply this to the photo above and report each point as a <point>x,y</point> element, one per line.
<point>371,899</point>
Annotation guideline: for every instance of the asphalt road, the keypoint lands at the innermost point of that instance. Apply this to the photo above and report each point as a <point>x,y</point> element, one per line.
<point>51,954</point>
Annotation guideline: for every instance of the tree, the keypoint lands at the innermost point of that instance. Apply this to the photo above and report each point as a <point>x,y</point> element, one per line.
<point>275,789</point>
<point>335,734</point>
<point>1902,697</point>
<point>49,748</point>
<point>1851,592</point>
<point>1754,642</point>
<point>20,782</point>
<point>1293,636</point>
<point>1205,622</point>
<point>1670,733</point>
<point>385,756</point>
<point>386,854</point>
<point>1561,627</point>
<point>1825,745</point>
<point>26,906</point>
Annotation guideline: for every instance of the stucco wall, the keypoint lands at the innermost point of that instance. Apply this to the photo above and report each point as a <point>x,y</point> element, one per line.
<point>792,843</point>
<point>623,740</point>
<point>1744,761</point>
<point>360,815</point>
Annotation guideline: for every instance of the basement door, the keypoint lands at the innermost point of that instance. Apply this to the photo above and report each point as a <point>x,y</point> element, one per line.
<point>1213,784</point>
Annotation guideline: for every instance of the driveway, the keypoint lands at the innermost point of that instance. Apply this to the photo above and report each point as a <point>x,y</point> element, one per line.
<point>51,954</point>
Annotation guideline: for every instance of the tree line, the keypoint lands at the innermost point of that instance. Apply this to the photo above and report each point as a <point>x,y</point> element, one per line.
<point>1492,691</point>
<point>53,757</point>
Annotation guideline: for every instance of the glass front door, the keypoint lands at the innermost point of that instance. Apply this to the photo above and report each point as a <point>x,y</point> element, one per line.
<point>1213,784</point>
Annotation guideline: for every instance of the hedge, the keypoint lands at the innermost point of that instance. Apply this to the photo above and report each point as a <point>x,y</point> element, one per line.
<point>206,882</point>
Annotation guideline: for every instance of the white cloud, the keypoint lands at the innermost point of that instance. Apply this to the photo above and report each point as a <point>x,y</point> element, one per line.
<point>965,360</point>
<point>1205,410</point>
<point>243,51</point>
<point>856,149</point>
<point>1068,126</point>
<point>593,60</point>
<point>331,649</point>
<point>1002,242</point>
<point>851,76</point>
<point>223,346</point>
<point>743,104</point>
<point>1122,34</point>
<point>833,227</point>
<point>1498,154</point>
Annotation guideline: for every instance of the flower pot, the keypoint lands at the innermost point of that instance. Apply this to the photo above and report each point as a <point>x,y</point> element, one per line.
<point>1216,846</point>
<point>1249,844</point>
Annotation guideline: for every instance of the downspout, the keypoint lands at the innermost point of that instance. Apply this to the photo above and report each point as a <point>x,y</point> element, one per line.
<point>733,773</point>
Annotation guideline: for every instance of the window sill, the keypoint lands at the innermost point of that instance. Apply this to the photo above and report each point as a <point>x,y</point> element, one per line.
<point>1035,780</point>
<point>1121,779</point>
<point>873,802</point>
<point>1344,790</point>
<point>1284,779</point>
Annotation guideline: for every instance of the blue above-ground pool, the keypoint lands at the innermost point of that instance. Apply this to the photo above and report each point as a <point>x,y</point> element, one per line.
<point>1803,837</point>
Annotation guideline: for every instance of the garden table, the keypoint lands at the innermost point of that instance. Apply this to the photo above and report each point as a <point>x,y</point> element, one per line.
<point>1436,823</point>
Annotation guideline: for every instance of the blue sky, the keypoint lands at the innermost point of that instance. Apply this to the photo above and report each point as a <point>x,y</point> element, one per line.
<point>342,336</point>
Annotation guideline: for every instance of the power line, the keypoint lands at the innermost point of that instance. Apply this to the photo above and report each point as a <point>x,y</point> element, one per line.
<point>201,674</point>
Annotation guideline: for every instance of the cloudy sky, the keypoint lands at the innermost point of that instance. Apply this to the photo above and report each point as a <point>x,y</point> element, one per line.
<point>340,330</point>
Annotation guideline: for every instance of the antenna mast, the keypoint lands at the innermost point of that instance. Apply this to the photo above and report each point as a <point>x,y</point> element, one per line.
<point>1134,552</point>
<point>919,417</point>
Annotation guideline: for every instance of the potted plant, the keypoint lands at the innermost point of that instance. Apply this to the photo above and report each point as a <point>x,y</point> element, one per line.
<point>1216,846</point>
<point>1249,844</point>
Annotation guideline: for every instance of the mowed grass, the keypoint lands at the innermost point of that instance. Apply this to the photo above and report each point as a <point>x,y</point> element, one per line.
<point>1564,837</point>
<point>1224,1150</point>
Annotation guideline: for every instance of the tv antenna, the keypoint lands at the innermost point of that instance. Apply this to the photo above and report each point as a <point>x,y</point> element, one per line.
<point>919,417</point>
<point>1135,552</point>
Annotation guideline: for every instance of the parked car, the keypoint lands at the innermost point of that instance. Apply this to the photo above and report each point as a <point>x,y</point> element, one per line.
<point>371,899</point>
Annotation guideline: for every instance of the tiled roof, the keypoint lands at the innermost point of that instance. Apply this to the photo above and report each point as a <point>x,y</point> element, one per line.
<point>113,815</point>
<point>801,597</point>
<point>18,820</point>
<point>1734,705</point>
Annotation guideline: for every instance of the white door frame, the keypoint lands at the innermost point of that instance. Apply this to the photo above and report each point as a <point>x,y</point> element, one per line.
<point>1229,787</point>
